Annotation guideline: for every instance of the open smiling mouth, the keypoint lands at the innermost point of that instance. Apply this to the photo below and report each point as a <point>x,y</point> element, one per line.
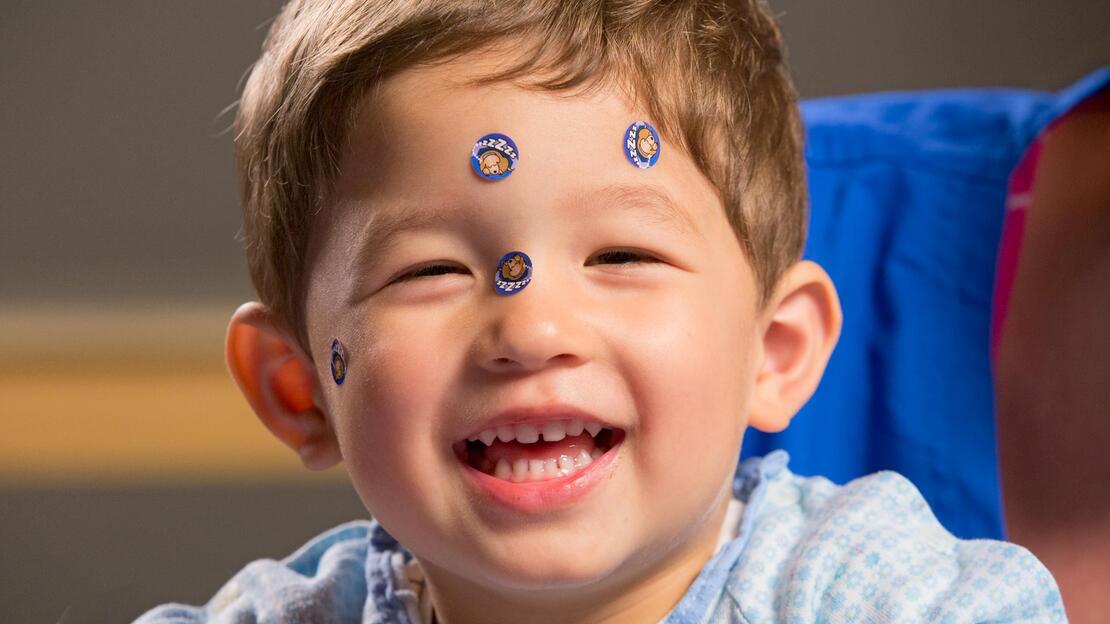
<point>537,452</point>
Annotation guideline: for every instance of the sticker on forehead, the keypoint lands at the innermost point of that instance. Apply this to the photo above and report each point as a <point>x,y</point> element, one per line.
<point>641,145</point>
<point>513,273</point>
<point>494,157</point>
<point>338,362</point>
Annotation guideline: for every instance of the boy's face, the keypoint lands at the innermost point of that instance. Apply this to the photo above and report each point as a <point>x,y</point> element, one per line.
<point>665,349</point>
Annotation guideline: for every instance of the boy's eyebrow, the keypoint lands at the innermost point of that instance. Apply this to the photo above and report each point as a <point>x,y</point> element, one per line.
<point>649,203</point>
<point>384,227</point>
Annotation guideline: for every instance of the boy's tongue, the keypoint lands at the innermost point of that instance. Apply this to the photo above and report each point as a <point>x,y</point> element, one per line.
<point>512,451</point>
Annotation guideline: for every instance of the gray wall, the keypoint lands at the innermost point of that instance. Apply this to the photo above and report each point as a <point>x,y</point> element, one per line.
<point>116,182</point>
<point>116,176</point>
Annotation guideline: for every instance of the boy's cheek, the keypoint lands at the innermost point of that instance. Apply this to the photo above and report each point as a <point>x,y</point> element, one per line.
<point>381,407</point>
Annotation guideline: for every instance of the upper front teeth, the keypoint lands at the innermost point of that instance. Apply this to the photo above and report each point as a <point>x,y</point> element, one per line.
<point>527,434</point>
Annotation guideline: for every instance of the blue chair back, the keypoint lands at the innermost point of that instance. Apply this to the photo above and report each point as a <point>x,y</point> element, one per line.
<point>907,202</point>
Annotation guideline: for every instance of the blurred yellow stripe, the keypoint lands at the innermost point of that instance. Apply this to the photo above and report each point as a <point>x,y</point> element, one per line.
<point>131,409</point>
<point>118,426</point>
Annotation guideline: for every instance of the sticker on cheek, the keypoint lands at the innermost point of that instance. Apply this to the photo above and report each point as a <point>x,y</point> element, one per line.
<point>338,362</point>
<point>513,273</point>
<point>494,157</point>
<point>641,145</point>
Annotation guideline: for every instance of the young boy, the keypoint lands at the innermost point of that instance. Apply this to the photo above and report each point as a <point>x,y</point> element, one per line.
<point>538,375</point>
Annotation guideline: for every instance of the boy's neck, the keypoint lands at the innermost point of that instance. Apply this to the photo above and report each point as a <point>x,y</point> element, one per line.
<point>644,597</point>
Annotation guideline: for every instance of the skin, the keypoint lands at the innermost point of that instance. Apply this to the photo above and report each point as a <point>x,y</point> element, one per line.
<point>672,350</point>
<point>1053,365</point>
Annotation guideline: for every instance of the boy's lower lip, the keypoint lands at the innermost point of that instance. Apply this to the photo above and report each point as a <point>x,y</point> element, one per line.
<point>534,497</point>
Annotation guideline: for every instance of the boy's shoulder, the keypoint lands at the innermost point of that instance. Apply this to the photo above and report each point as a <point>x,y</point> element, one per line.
<point>870,550</point>
<point>323,580</point>
<point>806,550</point>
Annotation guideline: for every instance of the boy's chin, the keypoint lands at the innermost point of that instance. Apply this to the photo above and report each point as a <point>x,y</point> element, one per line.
<point>534,561</point>
<point>541,567</point>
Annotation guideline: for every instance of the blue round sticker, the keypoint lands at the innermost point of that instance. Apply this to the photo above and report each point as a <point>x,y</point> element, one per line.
<point>338,362</point>
<point>641,145</point>
<point>513,273</point>
<point>494,156</point>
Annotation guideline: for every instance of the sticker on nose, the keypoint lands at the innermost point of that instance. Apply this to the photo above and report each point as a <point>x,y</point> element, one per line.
<point>338,362</point>
<point>494,157</point>
<point>641,145</point>
<point>514,272</point>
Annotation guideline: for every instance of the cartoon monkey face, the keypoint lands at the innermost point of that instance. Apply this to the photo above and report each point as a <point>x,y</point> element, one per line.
<point>339,369</point>
<point>492,163</point>
<point>513,268</point>
<point>645,143</point>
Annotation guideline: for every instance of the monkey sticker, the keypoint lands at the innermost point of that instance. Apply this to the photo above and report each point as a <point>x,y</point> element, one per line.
<point>338,362</point>
<point>641,145</point>
<point>513,273</point>
<point>494,157</point>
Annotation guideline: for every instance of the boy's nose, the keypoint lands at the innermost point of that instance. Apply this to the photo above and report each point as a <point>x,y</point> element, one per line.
<point>533,328</point>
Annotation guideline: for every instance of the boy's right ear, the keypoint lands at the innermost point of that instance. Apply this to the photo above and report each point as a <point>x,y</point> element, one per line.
<point>277,378</point>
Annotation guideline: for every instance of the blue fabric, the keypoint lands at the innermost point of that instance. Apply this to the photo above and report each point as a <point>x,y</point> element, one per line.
<point>907,202</point>
<point>806,550</point>
<point>870,551</point>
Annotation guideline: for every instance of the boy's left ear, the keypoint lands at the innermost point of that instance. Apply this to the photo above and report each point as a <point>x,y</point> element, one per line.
<point>802,324</point>
<point>278,379</point>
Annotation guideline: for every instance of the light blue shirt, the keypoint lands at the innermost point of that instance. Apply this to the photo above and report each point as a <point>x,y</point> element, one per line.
<point>806,550</point>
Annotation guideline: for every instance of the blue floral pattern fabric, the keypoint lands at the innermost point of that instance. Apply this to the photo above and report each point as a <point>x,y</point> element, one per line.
<point>872,551</point>
<point>806,550</point>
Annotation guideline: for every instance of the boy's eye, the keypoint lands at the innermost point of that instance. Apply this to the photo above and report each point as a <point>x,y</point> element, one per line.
<point>429,271</point>
<point>621,256</point>
<point>624,256</point>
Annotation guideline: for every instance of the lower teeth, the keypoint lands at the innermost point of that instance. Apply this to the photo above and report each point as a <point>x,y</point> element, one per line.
<point>523,470</point>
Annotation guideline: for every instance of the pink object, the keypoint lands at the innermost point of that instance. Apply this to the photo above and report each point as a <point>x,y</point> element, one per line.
<point>1019,199</point>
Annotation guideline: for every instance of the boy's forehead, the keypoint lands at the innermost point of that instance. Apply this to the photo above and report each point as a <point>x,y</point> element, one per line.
<point>416,124</point>
<point>407,160</point>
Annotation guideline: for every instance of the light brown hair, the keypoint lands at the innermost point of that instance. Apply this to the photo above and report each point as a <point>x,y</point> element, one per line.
<point>710,73</point>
